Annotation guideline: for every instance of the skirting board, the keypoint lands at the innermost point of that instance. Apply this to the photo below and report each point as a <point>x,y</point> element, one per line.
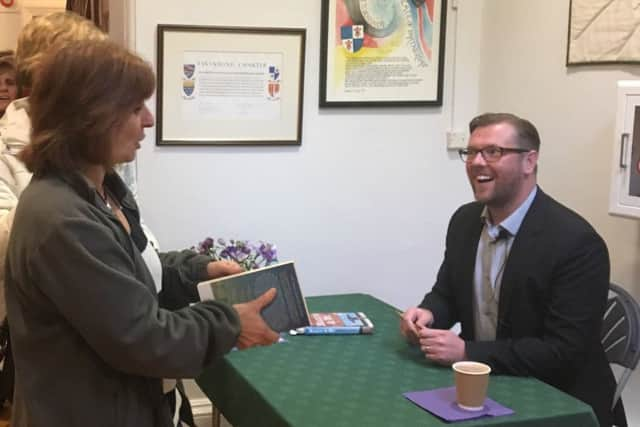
<point>202,412</point>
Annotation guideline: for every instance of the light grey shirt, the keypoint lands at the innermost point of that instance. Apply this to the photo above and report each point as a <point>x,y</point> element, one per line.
<point>495,243</point>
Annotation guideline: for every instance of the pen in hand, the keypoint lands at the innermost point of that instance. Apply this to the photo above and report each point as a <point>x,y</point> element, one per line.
<point>401,315</point>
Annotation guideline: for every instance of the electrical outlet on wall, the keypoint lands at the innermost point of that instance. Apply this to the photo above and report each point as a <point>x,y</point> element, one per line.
<point>456,140</point>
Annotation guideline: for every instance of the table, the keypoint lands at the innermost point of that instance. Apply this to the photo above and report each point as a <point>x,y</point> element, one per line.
<point>358,380</point>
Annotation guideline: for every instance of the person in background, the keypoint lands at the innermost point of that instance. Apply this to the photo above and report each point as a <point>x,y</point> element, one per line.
<point>8,92</point>
<point>526,277</point>
<point>82,304</point>
<point>36,38</point>
<point>175,273</point>
<point>8,87</point>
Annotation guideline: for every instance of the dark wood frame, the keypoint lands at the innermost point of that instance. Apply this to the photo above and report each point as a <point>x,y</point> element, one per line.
<point>397,103</point>
<point>258,31</point>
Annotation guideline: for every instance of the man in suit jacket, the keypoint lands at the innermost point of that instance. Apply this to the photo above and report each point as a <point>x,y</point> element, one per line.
<point>526,277</point>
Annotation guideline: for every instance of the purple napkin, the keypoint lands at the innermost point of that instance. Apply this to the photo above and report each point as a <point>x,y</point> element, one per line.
<point>442,402</point>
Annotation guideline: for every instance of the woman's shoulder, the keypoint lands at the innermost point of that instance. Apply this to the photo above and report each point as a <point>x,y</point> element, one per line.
<point>50,197</point>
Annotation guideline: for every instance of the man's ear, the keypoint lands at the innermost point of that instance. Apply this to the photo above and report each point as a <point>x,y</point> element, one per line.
<point>530,162</point>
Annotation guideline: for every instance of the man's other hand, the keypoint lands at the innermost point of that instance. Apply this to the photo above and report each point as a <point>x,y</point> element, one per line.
<point>412,321</point>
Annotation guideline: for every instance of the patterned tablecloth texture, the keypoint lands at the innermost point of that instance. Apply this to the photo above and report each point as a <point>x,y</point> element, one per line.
<point>358,380</point>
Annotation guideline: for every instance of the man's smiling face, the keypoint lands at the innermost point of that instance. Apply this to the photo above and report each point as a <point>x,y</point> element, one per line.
<point>498,183</point>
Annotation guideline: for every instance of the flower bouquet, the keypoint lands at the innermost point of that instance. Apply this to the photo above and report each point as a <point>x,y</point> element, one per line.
<point>249,255</point>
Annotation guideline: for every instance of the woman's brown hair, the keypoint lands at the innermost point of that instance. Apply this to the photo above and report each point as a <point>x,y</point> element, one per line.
<point>82,91</point>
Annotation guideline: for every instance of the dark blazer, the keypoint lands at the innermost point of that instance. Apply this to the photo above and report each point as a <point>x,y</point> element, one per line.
<point>552,299</point>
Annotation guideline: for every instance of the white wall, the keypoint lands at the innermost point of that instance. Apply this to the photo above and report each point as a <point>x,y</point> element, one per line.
<point>10,23</point>
<point>574,108</point>
<point>361,206</point>
<point>13,18</point>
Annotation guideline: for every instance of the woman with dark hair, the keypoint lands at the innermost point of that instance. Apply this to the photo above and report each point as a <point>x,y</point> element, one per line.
<point>91,344</point>
<point>175,273</point>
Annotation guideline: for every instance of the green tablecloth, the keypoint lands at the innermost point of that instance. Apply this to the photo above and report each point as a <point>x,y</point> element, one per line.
<point>358,380</point>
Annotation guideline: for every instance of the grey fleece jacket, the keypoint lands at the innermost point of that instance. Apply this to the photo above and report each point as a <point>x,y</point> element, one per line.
<point>89,339</point>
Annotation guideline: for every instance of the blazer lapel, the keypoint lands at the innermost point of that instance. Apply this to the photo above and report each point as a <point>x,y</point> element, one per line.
<point>524,244</point>
<point>468,265</point>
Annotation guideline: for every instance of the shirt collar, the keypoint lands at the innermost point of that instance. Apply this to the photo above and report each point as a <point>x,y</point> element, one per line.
<point>513,222</point>
<point>87,189</point>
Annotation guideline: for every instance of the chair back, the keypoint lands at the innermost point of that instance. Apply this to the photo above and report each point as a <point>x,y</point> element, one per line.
<point>621,333</point>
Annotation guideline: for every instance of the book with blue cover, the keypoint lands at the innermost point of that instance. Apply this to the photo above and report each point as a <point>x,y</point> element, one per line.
<point>342,320</point>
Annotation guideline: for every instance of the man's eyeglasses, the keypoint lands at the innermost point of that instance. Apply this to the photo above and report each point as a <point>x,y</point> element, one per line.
<point>490,154</point>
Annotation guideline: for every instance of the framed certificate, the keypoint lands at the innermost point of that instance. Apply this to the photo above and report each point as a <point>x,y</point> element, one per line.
<point>229,85</point>
<point>382,52</point>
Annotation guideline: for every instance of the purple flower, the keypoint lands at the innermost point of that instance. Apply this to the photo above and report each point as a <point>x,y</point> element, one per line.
<point>268,252</point>
<point>205,246</point>
<point>248,255</point>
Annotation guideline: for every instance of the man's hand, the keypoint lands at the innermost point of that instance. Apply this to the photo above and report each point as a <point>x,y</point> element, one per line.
<point>441,346</point>
<point>222,268</point>
<point>253,329</point>
<point>412,321</point>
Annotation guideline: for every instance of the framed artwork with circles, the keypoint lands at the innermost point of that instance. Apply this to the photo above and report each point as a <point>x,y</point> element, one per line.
<point>382,52</point>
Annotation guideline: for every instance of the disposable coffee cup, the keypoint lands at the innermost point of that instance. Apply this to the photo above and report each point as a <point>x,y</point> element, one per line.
<point>472,380</point>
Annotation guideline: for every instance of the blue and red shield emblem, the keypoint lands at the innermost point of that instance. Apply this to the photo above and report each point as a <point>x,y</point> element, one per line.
<point>273,85</point>
<point>352,37</point>
<point>189,70</point>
